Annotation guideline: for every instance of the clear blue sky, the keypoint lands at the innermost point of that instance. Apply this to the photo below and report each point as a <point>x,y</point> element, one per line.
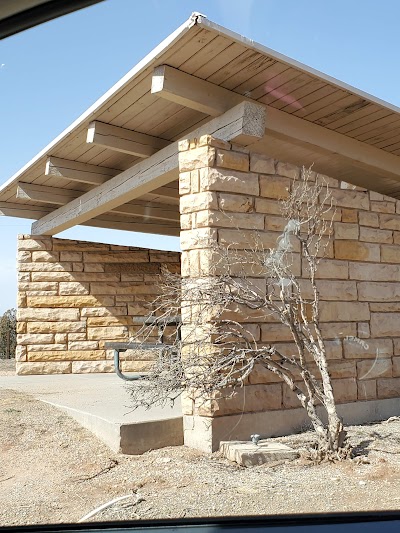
<point>50,74</point>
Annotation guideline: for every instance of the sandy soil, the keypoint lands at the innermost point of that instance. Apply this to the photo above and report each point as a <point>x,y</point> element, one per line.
<point>52,470</point>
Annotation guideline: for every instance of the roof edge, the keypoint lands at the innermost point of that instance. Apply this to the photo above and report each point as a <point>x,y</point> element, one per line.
<point>144,63</point>
<point>202,20</point>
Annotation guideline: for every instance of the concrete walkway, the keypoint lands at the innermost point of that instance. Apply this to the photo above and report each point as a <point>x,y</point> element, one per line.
<point>100,402</point>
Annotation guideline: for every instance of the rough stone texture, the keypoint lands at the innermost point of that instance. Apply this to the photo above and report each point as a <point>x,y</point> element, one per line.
<point>78,296</point>
<point>358,279</point>
<point>248,454</point>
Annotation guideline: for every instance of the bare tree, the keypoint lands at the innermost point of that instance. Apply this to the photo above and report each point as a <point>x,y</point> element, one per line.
<point>217,350</point>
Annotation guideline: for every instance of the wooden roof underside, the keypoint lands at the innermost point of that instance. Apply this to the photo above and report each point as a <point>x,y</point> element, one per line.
<point>207,51</point>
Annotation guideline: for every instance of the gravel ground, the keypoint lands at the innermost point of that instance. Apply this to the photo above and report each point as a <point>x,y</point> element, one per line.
<point>52,470</point>
<point>7,367</point>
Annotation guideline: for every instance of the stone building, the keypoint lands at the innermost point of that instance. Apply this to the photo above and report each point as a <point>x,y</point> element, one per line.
<point>211,121</point>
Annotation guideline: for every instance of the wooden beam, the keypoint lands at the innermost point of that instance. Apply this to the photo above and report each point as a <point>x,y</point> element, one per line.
<point>81,172</point>
<point>189,91</point>
<point>152,173</point>
<point>44,194</point>
<point>9,209</point>
<point>127,224</point>
<point>209,98</point>
<point>56,196</point>
<point>123,140</point>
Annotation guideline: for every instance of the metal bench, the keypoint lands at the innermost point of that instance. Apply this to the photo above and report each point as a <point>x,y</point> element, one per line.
<point>119,347</point>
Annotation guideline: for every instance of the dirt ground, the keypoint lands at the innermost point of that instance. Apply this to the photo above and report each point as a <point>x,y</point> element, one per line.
<point>52,470</point>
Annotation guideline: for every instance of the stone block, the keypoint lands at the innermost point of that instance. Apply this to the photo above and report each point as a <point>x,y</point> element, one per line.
<point>137,366</point>
<point>261,375</point>
<point>290,399</point>
<point>274,187</point>
<point>184,183</point>
<point>60,338</point>
<point>389,221</point>
<point>350,215</point>
<point>366,218</point>
<point>357,251</point>
<point>70,288</point>
<point>275,223</point>
<point>56,327</point>
<point>329,269</point>
<point>43,256</point>
<point>191,203</point>
<point>24,257</point>
<point>268,206</point>
<point>71,256</point>
<point>385,324</point>
<point>223,180</point>
<point>238,203</point>
<point>355,348</point>
<point>250,399</point>
<point>74,246</point>
<point>76,336</point>
<point>272,333</point>
<point>122,287</point>
<point>198,238</point>
<point>374,368</point>
<point>33,244</point>
<point>380,236</point>
<point>349,198</point>
<point>109,333</point>
<point>338,330</point>
<point>254,240</point>
<point>21,353</point>
<point>346,231</point>
<point>383,207</point>
<point>82,345</point>
<point>388,388</point>
<point>337,290</point>
<point>342,369</point>
<point>262,164</point>
<point>89,367</point>
<point>141,256</point>
<point>63,367</point>
<point>38,286</point>
<point>60,355</point>
<point>35,338</point>
<point>117,310</point>
<point>396,366</point>
<point>344,311</point>
<point>48,315</point>
<point>374,272</point>
<point>201,157</point>
<point>287,170</point>
<point>240,221</point>
<point>372,291</point>
<point>232,160</point>
<point>345,390</point>
<point>390,254</point>
<point>115,320</point>
<point>69,301</point>
<point>366,390</point>
<point>56,347</point>
<point>363,330</point>
<point>45,267</point>
<point>248,454</point>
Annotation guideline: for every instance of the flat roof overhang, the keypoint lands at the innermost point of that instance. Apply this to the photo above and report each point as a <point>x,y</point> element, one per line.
<point>127,140</point>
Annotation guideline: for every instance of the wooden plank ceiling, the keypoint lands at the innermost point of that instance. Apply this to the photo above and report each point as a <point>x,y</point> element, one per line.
<point>209,52</point>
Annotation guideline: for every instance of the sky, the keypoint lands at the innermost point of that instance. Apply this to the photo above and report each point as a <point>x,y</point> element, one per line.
<point>51,74</point>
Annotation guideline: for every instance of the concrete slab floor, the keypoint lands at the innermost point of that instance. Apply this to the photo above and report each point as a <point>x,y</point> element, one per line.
<point>101,403</point>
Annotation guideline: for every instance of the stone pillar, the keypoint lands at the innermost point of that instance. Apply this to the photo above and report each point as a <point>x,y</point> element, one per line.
<point>359,282</point>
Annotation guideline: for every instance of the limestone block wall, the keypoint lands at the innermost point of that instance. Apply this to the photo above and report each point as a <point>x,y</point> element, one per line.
<point>359,280</point>
<point>74,296</point>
